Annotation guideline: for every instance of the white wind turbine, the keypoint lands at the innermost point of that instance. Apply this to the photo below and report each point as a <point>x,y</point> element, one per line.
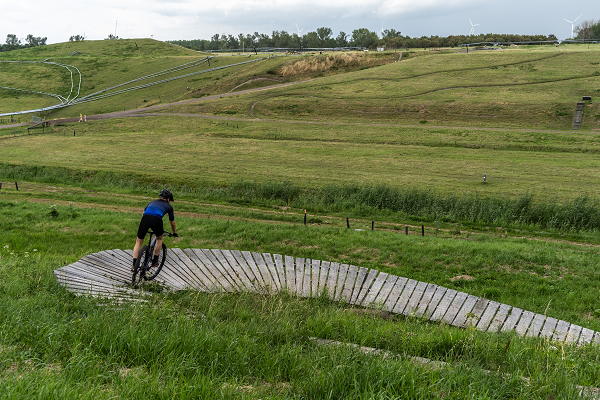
<point>472,27</point>
<point>382,27</point>
<point>299,30</point>
<point>573,24</point>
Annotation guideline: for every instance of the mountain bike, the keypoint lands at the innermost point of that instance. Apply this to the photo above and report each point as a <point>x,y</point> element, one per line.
<point>142,270</point>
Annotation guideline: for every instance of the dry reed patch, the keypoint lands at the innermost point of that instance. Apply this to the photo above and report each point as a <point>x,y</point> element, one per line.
<point>461,277</point>
<point>321,64</point>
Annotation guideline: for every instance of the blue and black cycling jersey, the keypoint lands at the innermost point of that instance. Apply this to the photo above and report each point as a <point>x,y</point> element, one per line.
<point>159,208</point>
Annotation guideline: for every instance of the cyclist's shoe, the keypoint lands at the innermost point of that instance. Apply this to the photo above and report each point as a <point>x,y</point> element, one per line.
<point>154,265</point>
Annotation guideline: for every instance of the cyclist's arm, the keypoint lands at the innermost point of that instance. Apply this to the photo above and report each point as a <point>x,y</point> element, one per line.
<point>173,226</point>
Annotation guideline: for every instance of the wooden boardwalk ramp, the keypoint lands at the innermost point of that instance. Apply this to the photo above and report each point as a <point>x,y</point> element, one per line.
<point>107,274</point>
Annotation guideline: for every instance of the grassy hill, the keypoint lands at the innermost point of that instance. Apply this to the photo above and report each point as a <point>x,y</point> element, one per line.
<point>364,138</point>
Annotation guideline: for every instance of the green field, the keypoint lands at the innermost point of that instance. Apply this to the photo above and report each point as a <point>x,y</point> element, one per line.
<point>365,138</point>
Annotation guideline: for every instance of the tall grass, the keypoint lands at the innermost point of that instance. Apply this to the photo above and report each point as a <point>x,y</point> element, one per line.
<point>574,215</point>
<point>321,64</point>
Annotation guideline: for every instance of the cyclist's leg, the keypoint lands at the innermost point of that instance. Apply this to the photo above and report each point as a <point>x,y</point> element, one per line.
<point>138,245</point>
<point>158,246</point>
<point>141,234</point>
<point>157,228</point>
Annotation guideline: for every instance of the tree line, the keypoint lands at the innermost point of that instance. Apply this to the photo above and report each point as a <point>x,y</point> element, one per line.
<point>323,37</point>
<point>14,43</point>
<point>588,30</point>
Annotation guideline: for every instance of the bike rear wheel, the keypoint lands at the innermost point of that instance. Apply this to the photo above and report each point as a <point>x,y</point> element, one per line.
<point>152,273</point>
<point>142,263</point>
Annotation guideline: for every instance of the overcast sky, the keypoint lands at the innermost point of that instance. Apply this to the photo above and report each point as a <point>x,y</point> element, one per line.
<point>187,19</point>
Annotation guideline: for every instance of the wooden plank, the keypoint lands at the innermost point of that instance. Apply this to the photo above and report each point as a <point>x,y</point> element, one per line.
<point>67,276</point>
<point>237,273</point>
<point>193,269</point>
<point>226,270</point>
<point>332,280</point>
<point>439,294</point>
<point>116,263</point>
<point>341,282</point>
<point>395,294</point>
<point>78,271</point>
<point>299,269</point>
<point>110,260</point>
<point>536,325</point>
<point>548,329</point>
<point>290,274</point>
<point>465,310</point>
<point>409,288</point>
<point>511,322</point>
<point>573,334</point>
<point>247,257</point>
<point>375,289</point>
<point>426,299</point>
<point>280,267</point>
<point>444,304</point>
<point>586,336</point>
<point>92,288</point>
<point>122,259</point>
<point>488,315</point>
<point>348,284</point>
<point>306,285</point>
<point>499,318</point>
<point>178,267</point>
<point>385,291</point>
<point>366,286</point>
<point>562,327</point>
<point>455,307</point>
<point>234,256</point>
<point>264,270</point>
<point>84,267</point>
<point>217,273</point>
<point>322,288</point>
<point>272,270</point>
<point>413,302</point>
<point>524,322</point>
<point>170,272</point>
<point>316,269</point>
<point>360,279</point>
<point>103,267</point>
<point>206,275</point>
<point>596,339</point>
<point>477,312</point>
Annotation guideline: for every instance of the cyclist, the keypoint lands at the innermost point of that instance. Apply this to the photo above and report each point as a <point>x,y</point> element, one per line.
<point>152,219</point>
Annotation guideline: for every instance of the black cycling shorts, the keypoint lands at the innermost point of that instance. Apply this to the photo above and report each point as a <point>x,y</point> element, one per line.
<point>150,222</point>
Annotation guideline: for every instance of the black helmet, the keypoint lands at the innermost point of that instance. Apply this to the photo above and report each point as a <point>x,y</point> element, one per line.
<point>166,194</point>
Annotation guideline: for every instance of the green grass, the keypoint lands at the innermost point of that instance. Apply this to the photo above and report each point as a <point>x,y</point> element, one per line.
<point>198,151</point>
<point>110,62</point>
<point>349,144</point>
<point>257,346</point>
<point>511,89</point>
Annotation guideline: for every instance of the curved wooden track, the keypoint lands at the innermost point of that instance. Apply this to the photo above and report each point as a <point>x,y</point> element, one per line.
<point>107,274</point>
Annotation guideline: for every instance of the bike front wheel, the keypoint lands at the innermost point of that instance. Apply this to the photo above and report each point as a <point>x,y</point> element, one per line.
<point>152,273</point>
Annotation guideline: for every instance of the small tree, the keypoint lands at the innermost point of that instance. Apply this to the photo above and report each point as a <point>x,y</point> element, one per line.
<point>12,40</point>
<point>35,41</point>
<point>111,37</point>
<point>342,39</point>
<point>364,37</point>
<point>324,34</point>
<point>584,29</point>
<point>76,38</point>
